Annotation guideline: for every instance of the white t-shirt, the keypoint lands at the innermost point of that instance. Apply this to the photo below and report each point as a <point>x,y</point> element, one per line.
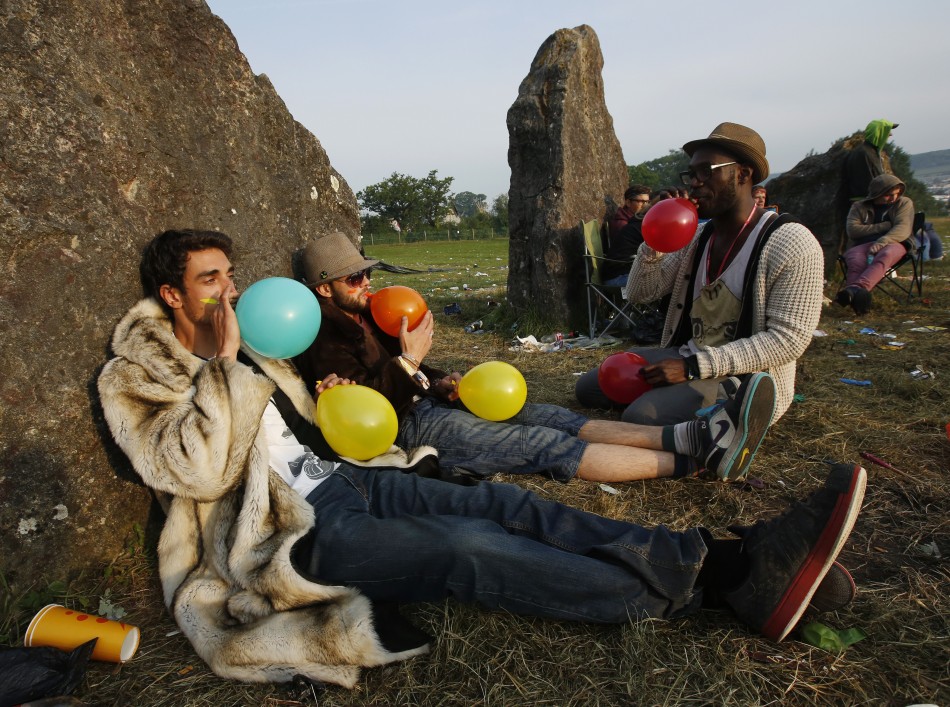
<point>297,465</point>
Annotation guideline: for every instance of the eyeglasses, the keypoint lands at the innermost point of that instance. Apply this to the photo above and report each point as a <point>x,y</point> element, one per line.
<point>701,173</point>
<point>356,279</point>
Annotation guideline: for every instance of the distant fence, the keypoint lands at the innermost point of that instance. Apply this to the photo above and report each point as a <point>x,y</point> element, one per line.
<point>435,234</point>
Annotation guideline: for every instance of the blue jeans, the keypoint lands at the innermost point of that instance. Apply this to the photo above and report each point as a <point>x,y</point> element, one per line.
<point>539,439</point>
<point>666,405</point>
<point>404,538</point>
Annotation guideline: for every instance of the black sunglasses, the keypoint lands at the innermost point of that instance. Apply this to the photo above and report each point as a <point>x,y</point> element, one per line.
<point>356,279</point>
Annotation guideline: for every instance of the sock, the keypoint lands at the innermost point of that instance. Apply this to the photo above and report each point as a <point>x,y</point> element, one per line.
<point>684,466</point>
<point>724,569</point>
<point>684,438</point>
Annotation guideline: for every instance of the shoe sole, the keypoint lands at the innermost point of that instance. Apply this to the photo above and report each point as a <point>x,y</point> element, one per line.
<point>840,592</point>
<point>816,565</point>
<point>755,416</point>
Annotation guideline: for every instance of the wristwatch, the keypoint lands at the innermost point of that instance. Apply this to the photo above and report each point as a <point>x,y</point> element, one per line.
<point>691,368</point>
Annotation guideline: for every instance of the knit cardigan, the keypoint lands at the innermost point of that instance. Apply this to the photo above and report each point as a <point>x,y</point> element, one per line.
<point>783,286</point>
<point>192,430</point>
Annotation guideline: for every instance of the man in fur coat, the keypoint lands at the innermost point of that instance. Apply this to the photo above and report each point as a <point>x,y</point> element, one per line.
<point>273,548</point>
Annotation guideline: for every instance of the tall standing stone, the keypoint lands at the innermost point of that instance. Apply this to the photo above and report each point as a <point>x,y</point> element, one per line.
<point>566,167</point>
<point>119,120</point>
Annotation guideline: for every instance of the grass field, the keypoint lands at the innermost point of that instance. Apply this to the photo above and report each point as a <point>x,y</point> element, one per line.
<point>897,552</point>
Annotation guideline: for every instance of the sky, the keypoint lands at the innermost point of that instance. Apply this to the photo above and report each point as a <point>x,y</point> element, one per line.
<point>411,86</point>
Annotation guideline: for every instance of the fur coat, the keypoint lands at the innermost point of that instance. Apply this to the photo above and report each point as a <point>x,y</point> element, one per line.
<point>192,430</point>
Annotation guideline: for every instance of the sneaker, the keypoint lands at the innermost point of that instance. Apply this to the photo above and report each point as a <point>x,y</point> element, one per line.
<point>790,555</point>
<point>734,430</point>
<point>844,297</point>
<point>836,590</point>
<point>860,300</point>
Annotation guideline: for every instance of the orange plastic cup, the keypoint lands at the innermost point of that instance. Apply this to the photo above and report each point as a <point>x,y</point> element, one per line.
<point>63,628</point>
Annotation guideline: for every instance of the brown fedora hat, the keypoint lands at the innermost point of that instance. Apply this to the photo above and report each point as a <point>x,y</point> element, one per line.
<point>745,143</point>
<point>331,257</point>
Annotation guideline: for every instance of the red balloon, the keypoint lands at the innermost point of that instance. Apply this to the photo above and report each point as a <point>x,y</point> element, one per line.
<point>620,378</point>
<point>390,304</point>
<point>670,224</point>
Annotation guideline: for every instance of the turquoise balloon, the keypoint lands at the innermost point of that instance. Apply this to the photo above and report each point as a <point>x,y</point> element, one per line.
<point>279,317</point>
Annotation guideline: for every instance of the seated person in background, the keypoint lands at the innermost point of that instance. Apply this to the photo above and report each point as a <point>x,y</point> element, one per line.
<point>275,566</point>
<point>761,197</point>
<point>746,292</point>
<point>623,247</point>
<point>635,199</point>
<point>929,242</point>
<point>879,228</point>
<point>544,439</point>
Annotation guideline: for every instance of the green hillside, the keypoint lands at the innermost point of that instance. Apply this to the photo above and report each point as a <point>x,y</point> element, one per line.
<point>931,164</point>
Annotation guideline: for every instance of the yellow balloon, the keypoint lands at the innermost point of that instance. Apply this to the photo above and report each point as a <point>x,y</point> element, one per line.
<point>357,422</point>
<point>493,390</point>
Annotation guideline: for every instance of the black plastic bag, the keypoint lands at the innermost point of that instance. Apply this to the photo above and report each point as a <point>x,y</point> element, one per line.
<point>33,673</point>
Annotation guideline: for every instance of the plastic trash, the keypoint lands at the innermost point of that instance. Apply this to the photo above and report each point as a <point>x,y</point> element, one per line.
<point>852,381</point>
<point>34,673</point>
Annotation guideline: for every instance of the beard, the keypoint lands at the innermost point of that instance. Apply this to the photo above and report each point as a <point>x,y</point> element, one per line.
<point>351,302</point>
<point>724,199</point>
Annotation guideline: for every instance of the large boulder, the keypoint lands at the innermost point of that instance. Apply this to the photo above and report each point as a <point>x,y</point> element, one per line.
<point>566,167</point>
<point>117,123</point>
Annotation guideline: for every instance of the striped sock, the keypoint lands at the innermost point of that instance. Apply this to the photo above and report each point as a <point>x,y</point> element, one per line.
<point>684,438</point>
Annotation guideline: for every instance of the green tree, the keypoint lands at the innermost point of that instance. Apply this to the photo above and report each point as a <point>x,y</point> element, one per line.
<point>916,190</point>
<point>499,213</point>
<point>660,172</point>
<point>468,204</point>
<point>411,202</point>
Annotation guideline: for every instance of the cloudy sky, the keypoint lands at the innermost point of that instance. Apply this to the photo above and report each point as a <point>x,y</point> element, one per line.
<point>414,85</point>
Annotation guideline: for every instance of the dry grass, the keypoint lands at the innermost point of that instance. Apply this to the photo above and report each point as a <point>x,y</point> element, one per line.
<point>498,659</point>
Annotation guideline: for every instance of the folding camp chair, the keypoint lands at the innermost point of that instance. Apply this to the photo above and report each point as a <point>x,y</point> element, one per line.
<point>890,284</point>
<point>598,294</point>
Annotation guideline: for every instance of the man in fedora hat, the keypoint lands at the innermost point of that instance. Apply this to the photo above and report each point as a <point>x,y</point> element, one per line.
<point>745,293</point>
<point>542,438</point>
<point>278,559</point>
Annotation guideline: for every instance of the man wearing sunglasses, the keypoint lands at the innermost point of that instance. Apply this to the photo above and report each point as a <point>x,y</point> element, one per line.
<point>544,439</point>
<point>273,548</point>
<point>746,292</point>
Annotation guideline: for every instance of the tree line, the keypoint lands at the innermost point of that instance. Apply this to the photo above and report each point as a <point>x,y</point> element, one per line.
<point>405,204</point>
<point>408,204</point>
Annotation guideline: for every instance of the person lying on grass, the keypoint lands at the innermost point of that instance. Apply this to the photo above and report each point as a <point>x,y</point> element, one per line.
<point>545,439</point>
<point>279,559</point>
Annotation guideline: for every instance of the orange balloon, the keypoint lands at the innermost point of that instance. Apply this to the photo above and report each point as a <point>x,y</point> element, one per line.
<point>390,304</point>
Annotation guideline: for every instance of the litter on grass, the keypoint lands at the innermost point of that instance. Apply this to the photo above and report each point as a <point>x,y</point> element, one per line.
<point>928,329</point>
<point>852,381</point>
<point>919,374</point>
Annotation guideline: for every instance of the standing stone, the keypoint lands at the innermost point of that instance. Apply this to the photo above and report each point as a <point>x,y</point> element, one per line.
<point>566,167</point>
<point>120,120</point>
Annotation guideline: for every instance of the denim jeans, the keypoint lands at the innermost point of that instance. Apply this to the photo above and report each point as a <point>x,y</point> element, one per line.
<point>539,439</point>
<point>667,405</point>
<point>401,537</point>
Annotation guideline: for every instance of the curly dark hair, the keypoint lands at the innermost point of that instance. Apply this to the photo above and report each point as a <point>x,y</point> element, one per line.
<point>165,257</point>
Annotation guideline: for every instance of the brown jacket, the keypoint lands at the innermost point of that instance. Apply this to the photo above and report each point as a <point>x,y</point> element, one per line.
<point>345,348</point>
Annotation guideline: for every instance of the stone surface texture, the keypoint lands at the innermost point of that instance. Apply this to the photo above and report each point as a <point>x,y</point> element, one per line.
<point>566,167</point>
<point>120,120</point>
